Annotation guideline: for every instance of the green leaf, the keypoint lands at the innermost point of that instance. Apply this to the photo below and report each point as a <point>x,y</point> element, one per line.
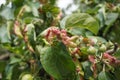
<point>81,20</point>
<point>14,60</point>
<point>28,20</point>
<point>10,25</point>
<point>18,3</point>
<point>77,31</point>
<point>51,9</point>
<point>4,34</point>
<point>110,19</point>
<point>12,72</point>
<point>86,67</point>
<point>7,13</point>
<point>31,34</point>
<point>101,16</point>
<point>8,72</point>
<point>57,62</point>
<point>34,8</point>
<point>103,76</point>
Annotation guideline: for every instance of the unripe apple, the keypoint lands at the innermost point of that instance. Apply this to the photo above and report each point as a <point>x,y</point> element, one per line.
<point>102,48</point>
<point>92,50</point>
<point>109,44</point>
<point>92,41</point>
<point>27,77</point>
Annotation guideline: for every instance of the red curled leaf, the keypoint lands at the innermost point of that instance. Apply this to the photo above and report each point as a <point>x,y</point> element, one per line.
<point>91,58</point>
<point>109,57</point>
